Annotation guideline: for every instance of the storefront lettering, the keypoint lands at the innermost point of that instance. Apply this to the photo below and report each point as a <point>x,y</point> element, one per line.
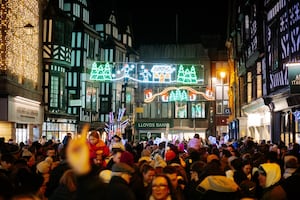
<point>152,124</point>
<point>296,81</point>
<point>27,112</point>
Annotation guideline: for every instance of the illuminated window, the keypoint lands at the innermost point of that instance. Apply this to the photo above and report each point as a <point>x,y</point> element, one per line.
<point>198,109</point>
<point>180,110</point>
<point>54,92</point>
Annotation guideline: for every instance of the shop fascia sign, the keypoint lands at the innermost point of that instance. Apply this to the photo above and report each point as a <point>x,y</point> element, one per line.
<point>152,125</point>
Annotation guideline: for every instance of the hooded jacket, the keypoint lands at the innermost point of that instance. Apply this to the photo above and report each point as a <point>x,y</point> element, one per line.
<point>273,173</point>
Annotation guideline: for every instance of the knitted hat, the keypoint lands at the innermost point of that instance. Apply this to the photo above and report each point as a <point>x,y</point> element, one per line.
<point>122,167</point>
<point>170,155</point>
<point>127,157</point>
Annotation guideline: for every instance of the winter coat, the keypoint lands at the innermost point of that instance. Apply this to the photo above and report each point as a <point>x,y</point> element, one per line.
<point>118,188</point>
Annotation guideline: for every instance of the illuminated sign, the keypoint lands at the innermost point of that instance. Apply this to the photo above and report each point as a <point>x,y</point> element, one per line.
<point>182,93</point>
<point>147,73</point>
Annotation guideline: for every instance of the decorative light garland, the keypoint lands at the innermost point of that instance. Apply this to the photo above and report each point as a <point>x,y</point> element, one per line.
<point>19,50</point>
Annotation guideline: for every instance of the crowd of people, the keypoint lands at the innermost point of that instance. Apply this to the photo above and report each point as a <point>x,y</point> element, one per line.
<point>86,167</point>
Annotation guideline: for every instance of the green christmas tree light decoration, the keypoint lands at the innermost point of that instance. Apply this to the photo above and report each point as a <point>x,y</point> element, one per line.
<point>180,74</point>
<point>172,96</point>
<point>184,96</point>
<point>101,72</point>
<point>193,75</point>
<point>187,75</point>
<point>177,95</point>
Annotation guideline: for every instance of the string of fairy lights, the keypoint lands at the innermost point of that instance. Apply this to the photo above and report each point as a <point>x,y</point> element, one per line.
<point>19,50</point>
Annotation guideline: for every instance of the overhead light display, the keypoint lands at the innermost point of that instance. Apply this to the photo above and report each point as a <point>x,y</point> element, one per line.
<point>148,73</point>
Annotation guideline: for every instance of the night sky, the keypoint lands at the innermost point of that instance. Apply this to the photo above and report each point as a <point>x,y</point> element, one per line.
<point>154,21</point>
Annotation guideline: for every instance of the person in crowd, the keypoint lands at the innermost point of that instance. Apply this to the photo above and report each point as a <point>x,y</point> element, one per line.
<point>67,187</point>
<point>116,143</point>
<point>148,173</point>
<point>172,173</point>
<point>290,165</point>
<point>89,187</point>
<point>193,156</point>
<point>57,172</point>
<point>24,180</point>
<point>6,163</point>
<point>118,187</point>
<point>161,189</point>
<point>269,177</point>
<point>136,182</point>
<point>115,158</point>
<point>195,142</point>
<point>243,171</point>
<point>6,187</point>
<point>158,163</point>
<point>214,183</point>
<point>288,189</point>
<point>196,169</point>
<point>97,149</point>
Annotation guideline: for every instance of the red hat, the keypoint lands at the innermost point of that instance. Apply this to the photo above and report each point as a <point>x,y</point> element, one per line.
<point>127,157</point>
<point>170,155</point>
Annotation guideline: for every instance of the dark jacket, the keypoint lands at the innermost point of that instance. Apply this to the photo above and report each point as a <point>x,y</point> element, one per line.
<point>118,189</point>
<point>55,175</point>
<point>62,193</point>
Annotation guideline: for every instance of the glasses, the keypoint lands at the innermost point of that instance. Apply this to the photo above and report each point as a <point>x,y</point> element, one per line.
<point>160,186</point>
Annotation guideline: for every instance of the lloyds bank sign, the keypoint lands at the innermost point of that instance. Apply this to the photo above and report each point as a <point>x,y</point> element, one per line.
<point>152,125</point>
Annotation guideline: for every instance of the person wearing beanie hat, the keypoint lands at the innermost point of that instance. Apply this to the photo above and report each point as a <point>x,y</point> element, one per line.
<point>118,187</point>
<point>170,155</point>
<point>127,157</point>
